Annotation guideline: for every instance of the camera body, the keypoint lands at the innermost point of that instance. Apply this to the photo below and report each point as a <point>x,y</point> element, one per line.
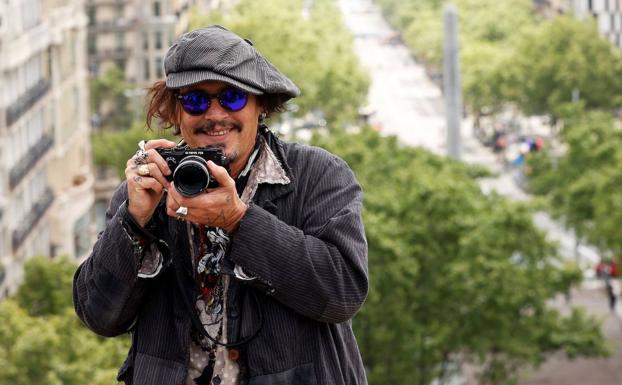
<point>189,168</point>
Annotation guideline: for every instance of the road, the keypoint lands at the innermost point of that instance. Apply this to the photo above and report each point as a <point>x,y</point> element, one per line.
<point>409,105</point>
<point>406,103</point>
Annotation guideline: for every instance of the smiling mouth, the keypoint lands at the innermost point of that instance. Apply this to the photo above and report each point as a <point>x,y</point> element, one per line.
<point>218,133</point>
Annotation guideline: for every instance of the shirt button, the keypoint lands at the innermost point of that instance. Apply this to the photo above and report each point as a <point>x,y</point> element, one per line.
<point>234,354</point>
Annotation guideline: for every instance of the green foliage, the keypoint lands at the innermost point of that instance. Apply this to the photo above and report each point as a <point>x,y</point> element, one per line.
<point>46,289</point>
<point>562,55</point>
<point>487,29</point>
<point>109,100</point>
<point>44,342</point>
<point>315,52</point>
<point>113,148</point>
<point>508,55</point>
<point>584,183</point>
<point>453,272</point>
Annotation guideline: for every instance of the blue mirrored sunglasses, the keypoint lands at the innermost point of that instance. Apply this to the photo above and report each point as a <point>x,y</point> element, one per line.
<point>197,102</point>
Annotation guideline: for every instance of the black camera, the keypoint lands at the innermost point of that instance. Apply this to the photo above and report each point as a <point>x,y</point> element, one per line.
<point>189,168</point>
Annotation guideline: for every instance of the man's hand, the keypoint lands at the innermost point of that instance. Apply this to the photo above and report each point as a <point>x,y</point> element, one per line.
<point>217,207</point>
<point>147,182</point>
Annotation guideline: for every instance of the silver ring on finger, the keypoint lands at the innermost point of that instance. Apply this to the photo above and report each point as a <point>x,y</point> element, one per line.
<point>140,157</point>
<point>182,211</point>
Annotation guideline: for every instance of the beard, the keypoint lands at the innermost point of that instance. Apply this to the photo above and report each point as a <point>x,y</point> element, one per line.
<point>211,125</point>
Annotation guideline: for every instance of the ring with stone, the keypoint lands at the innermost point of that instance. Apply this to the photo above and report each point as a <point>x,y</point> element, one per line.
<point>140,157</point>
<point>143,170</point>
<point>182,211</point>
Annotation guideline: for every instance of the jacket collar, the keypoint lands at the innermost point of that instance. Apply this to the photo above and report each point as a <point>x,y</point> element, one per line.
<point>271,171</point>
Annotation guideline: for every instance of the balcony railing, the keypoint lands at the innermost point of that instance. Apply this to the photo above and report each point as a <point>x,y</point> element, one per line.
<point>113,54</point>
<point>26,101</point>
<point>105,2</point>
<point>37,212</point>
<point>29,160</point>
<point>119,25</point>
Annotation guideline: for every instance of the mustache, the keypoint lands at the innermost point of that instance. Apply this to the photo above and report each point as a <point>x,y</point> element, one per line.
<point>211,125</point>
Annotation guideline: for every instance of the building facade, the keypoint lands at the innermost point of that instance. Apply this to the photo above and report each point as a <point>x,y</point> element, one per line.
<point>135,35</point>
<point>608,15</point>
<point>46,178</point>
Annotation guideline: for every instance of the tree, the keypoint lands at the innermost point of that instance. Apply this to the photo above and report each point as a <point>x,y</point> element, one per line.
<point>487,29</point>
<point>112,149</point>
<point>315,52</point>
<point>46,343</point>
<point>46,289</point>
<point>455,275</point>
<point>562,56</point>
<point>109,99</point>
<point>582,183</point>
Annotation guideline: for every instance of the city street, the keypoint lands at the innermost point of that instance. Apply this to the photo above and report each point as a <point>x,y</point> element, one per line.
<point>406,103</point>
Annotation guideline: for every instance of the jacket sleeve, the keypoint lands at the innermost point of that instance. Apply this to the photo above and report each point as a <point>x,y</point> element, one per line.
<point>320,269</point>
<point>106,287</point>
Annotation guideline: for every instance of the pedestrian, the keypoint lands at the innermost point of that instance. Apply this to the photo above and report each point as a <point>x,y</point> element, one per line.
<point>613,287</point>
<point>245,269</point>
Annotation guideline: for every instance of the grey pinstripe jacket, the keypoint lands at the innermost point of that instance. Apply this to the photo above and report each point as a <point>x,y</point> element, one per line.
<point>304,241</point>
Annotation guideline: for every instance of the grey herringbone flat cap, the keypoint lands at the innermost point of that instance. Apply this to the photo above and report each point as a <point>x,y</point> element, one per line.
<point>215,53</point>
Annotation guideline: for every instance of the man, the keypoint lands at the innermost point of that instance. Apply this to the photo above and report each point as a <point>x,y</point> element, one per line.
<point>252,281</point>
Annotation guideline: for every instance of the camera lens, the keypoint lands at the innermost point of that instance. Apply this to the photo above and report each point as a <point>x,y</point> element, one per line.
<point>191,177</point>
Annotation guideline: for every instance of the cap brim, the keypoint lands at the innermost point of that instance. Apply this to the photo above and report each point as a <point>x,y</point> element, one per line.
<point>188,78</point>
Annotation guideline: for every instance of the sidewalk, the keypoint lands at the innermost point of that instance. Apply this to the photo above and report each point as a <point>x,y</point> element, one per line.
<point>558,370</point>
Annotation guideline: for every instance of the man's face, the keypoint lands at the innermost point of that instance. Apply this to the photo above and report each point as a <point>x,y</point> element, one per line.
<point>234,132</point>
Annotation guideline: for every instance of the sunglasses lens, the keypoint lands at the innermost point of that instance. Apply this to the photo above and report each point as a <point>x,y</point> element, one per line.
<point>195,102</point>
<point>233,99</point>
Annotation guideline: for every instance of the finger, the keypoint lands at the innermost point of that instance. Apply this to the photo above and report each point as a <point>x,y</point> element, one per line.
<point>131,164</point>
<point>159,143</point>
<point>220,174</point>
<point>147,183</point>
<point>179,199</point>
<point>157,159</point>
<point>156,173</point>
<point>171,205</point>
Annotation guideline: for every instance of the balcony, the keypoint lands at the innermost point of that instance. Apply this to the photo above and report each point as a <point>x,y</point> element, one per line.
<point>37,212</point>
<point>105,2</point>
<point>29,160</point>
<point>113,54</point>
<point>119,25</point>
<point>26,101</point>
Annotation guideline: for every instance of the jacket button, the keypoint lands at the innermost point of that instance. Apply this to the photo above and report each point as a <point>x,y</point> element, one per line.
<point>234,314</point>
<point>234,354</point>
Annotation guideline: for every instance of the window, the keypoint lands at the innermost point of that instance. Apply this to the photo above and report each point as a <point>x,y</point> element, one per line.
<point>120,37</point>
<point>121,64</point>
<point>100,214</point>
<point>91,13</point>
<point>146,71</point>
<point>92,44</point>
<point>145,41</point>
<point>118,11</point>
<point>159,69</point>
<point>157,8</point>
<point>158,40</point>
<point>81,236</point>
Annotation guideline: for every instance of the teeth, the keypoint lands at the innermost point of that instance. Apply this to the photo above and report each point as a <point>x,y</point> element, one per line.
<point>218,133</point>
